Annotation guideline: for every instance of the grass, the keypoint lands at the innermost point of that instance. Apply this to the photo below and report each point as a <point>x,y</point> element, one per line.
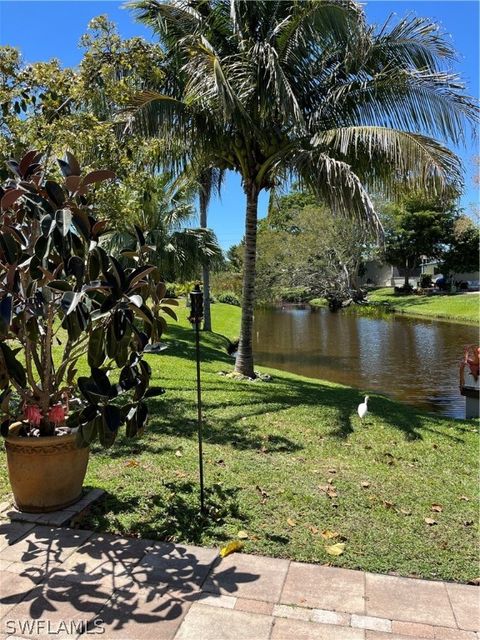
<point>285,461</point>
<point>459,306</point>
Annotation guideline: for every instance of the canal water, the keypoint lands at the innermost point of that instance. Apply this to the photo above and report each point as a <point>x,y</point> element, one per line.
<point>412,360</point>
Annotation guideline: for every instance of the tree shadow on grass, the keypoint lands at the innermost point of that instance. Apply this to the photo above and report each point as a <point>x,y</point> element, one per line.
<point>174,417</point>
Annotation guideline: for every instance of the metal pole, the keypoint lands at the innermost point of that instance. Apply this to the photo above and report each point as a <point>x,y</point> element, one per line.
<point>200,423</point>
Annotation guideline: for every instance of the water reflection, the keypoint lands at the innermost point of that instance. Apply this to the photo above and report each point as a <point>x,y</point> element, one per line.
<point>412,360</point>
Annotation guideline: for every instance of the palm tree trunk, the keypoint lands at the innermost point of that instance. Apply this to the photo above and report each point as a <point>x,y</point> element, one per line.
<point>207,318</point>
<point>244,362</point>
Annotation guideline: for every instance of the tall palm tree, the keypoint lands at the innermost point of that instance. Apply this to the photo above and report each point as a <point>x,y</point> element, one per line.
<point>287,89</point>
<point>209,182</point>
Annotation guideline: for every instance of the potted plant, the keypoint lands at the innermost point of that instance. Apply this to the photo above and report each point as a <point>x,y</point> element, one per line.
<point>74,323</point>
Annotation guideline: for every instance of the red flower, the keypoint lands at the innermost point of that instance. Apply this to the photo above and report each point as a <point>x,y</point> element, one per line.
<point>56,415</point>
<point>32,414</point>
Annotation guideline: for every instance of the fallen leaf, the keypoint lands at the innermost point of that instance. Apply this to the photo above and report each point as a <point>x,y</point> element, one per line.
<point>365,484</point>
<point>242,535</point>
<point>430,521</point>
<point>313,529</point>
<point>180,474</point>
<point>328,535</point>
<point>332,471</point>
<point>231,547</point>
<point>388,504</point>
<point>464,498</point>
<point>336,549</point>
<point>437,507</point>
<point>178,453</point>
<point>330,481</point>
<point>291,522</point>
<point>475,581</point>
<point>406,512</point>
<point>131,463</point>
<point>221,463</point>
<point>467,523</point>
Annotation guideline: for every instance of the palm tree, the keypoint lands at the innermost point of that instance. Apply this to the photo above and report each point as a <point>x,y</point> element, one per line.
<point>209,182</point>
<point>281,89</point>
<point>164,217</point>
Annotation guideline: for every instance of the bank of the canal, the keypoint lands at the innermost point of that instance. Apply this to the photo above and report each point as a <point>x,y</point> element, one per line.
<point>461,307</point>
<point>290,465</point>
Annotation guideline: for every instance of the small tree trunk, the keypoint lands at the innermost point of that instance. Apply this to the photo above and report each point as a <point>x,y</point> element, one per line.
<point>407,274</point>
<point>207,318</point>
<point>244,362</point>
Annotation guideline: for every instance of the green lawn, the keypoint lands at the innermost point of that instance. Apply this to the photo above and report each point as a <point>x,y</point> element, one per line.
<point>460,306</point>
<point>287,460</point>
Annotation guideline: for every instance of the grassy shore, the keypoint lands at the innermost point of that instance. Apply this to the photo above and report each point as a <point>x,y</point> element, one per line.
<point>461,307</point>
<point>288,460</point>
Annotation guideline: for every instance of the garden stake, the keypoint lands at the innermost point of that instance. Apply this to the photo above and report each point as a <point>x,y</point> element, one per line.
<point>196,316</point>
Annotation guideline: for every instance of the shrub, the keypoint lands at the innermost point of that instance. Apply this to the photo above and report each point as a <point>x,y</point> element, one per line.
<point>425,280</point>
<point>228,298</point>
<point>403,291</point>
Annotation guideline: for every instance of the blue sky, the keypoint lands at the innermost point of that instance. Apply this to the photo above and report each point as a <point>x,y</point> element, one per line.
<point>45,29</point>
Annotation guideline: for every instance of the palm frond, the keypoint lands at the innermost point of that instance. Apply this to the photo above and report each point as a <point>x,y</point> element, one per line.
<point>373,151</point>
<point>414,42</point>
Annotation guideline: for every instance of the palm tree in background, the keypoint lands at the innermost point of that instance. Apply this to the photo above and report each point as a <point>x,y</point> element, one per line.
<point>164,219</point>
<point>209,182</point>
<point>281,90</point>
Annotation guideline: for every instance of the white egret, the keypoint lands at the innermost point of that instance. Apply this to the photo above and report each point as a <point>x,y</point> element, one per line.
<point>363,408</point>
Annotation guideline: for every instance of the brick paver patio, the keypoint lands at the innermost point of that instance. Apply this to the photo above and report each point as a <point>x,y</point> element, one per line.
<point>63,583</point>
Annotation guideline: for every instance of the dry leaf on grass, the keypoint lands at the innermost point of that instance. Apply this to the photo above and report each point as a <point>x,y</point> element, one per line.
<point>430,521</point>
<point>313,529</point>
<point>336,549</point>
<point>132,463</point>
<point>231,547</point>
<point>406,512</point>
<point>178,453</point>
<point>328,535</point>
<point>242,535</point>
<point>464,498</point>
<point>291,522</point>
<point>365,484</point>
<point>329,490</point>
<point>475,581</point>
<point>437,507</point>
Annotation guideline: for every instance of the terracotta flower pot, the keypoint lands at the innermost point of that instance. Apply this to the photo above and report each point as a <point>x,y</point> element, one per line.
<point>45,474</point>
